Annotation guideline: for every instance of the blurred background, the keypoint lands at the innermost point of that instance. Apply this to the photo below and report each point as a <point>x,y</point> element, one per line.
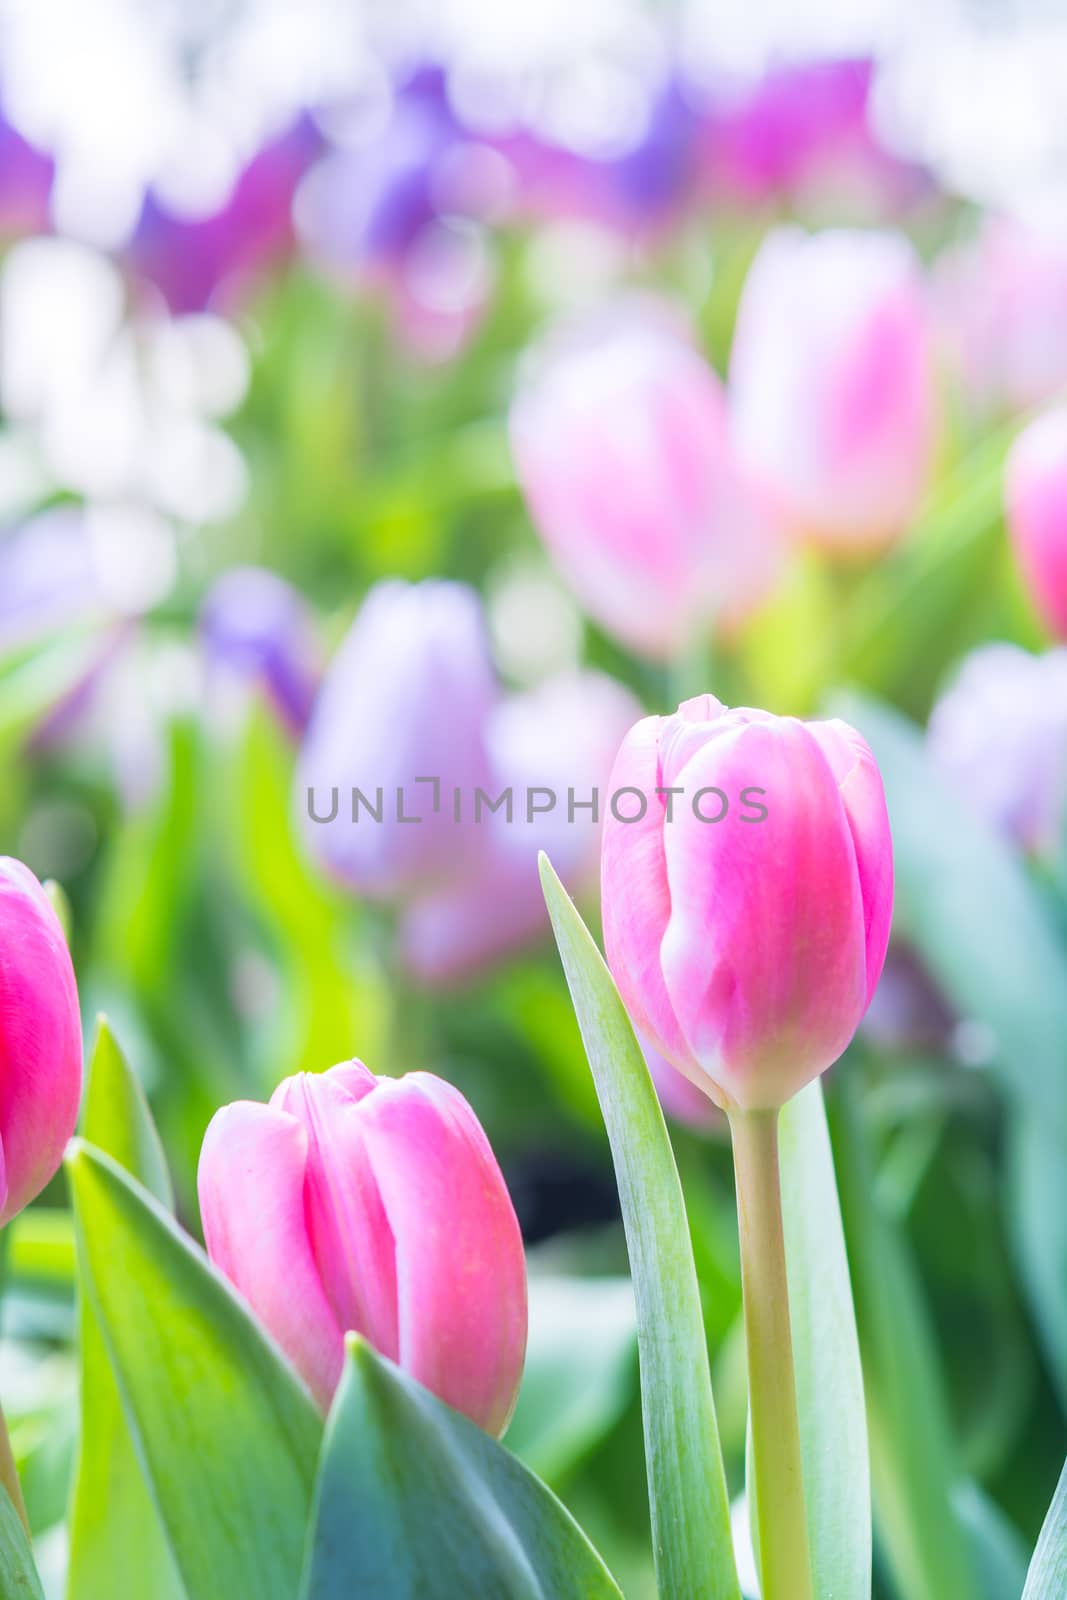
<point>391,389</point>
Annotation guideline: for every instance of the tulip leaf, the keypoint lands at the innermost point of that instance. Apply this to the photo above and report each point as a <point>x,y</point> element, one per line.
<point>1047,1577</point>
<point>914,1473</point>
<point>117,1543</point>
<point>415,1502</point>
<point>18,1574</point>
<point>227,1433</point>
<point>687,1484</point>
<point>826,1357</point>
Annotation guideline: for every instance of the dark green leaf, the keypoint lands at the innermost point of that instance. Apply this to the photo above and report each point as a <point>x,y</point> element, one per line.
<point>1047,1577</point>
<point>414,1502</point>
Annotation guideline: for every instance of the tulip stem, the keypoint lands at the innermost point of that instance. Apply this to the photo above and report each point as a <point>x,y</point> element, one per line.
<point>779,1521</point>
<point>9,1476</point>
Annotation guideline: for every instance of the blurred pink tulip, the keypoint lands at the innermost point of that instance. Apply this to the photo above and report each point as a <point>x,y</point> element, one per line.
<point>1035,494</point>
<point>746,947</point>
<point>622,448</point>
<point>40,1040</point>
<point>831,383</point>
<point>1000,301</point>
<point>373,1205</point>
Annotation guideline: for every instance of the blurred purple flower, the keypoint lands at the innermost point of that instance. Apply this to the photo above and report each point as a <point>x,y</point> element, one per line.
<point>641,190</point>
<point>405,698</point>
<point>48,578</point>
<point>562,736</point>
<point>999,734</point>
<point>195,261</point>
<point>907,1010</point>
<point>258,630</point>
<point>26,175</point>
<point>802,128</point>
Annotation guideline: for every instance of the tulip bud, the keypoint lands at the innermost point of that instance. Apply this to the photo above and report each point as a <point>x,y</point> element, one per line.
<point>999,735</point>
<point>746,914</point>
<point>372,1205</point>
<point>831,382</point>
<point>622,448</point>
<point>40,1040</point>
<point>404,700</point>
<point>1035,493</point>
<point>257,629</point>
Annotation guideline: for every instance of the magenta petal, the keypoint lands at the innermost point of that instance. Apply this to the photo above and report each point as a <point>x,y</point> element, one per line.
<point>763,957</point>
<point>350,1236</point>
<point>251,1186</point>
<point>461,1276</point>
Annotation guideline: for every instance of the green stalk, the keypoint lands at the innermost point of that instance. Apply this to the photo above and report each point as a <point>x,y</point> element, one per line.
<point>780,1529</point>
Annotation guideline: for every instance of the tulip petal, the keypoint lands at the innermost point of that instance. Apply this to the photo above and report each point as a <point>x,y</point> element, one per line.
<point>863,795</point>
<point>635,895</point>
<point>763,957</point>
<point>251,1187</point>
<point>461,1277</point>
<point>351,1240</point>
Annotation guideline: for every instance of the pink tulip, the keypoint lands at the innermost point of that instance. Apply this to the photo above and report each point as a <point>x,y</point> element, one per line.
<point>679,1096</point>
<point>1035,493</point>
<point>622,448</point>
<point>746,916</point>
<point>40,1040</point>
<point>830,381</point>
<point>372,1205</point>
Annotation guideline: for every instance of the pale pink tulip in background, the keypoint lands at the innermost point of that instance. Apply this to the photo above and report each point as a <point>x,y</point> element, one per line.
<point>747,951</point>
<point>372,1205</point>
<point>831,383</point>
<point>1035,495</point>
<point>622,447</point>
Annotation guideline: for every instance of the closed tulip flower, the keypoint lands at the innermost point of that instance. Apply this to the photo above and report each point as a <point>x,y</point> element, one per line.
<point>746,916</point>
<point>405,698</point>
<point>40,1040</point>
<point>831,383</point>
<point>1035,492</point>
<point>622,447</point>
<point>372,1205</point>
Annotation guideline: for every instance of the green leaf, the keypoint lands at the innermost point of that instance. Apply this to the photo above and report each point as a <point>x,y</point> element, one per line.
<point>686,1481</point>
<point>1047,1577</point>
<point>826,1356</point>
<point>997,1545</point>
<point>913,1468</point>
<point>414,1502</point>
<point>18,1574</point>
<point>117,1543</point>
<point>226,1431</point>
<point>580,1370</point>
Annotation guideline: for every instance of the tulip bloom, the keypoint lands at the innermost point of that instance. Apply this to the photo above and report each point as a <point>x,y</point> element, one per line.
<point>372,1205</point>
<point>831,382</point>
<point>745,948</point>
<point>40,1040</point>
<point>1035,493</point>
<point>405,699</point>
<point>622,448</point>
